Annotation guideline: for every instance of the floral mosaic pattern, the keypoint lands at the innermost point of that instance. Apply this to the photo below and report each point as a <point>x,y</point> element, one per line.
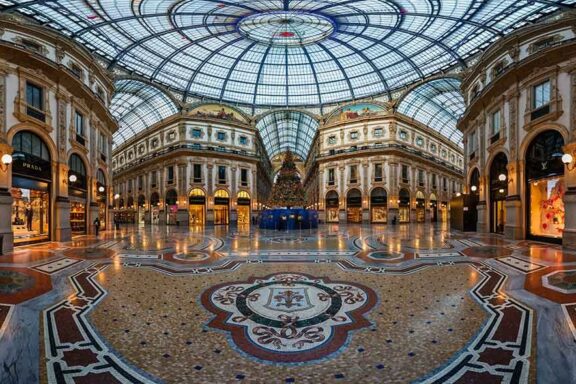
<point>289,318</point>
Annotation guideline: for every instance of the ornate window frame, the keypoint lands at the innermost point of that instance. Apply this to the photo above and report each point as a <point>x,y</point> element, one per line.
<point>538,77</point>
<point>20,105</point>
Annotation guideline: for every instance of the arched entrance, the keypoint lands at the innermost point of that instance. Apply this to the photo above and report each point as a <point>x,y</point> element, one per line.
<point>171,207</point>
<point>196,207</point>
<point>354,206</point>
<point>332,207</point>
<point>141,209</point>
<point>420,207</point>
<point>433,208</point>
<point>545,187</point>
<point>221,207</point>
<point>101,197</point>
<point>404,206</point>
<point>77,192</point>
<point>155,208</point>
<point>378,205</point>
<point>498,191</point>
<point>31,188</point>
<point>243,207</point>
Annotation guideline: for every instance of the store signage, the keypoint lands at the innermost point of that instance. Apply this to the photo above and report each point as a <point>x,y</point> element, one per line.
<point>221,200</point>
<point>30,166</point>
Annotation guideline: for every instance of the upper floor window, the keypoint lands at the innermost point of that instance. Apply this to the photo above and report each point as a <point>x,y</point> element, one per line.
<point>32,45</point>
<point>76,70</point>
<point>331,177</point>
<point>196,133</point>
<point>404,173</point>
<point>170,174</point>
<point>244,177</point>
<point>353,174</point>
<point>221,136</point>
<point>140,182</point>
<point>100,93</point>
<point>421,177</point>
<point>433,148</point>
<point>420,141</point>
<point>332,139</point>
<point>354,135</point>
<point>197,173</point>
<point>541,95</point>
<point>79,126</point>
<point>495,122</point>
<point>221,174</point>
<point>102,143</point>
<point>378,132</point>
<point>444,153</point>
<point>499,68</point>
<point>403,135</point>
<point>472,142</point>
<point>378,172</point>
<point>434,183</point>
<point>35,101</point>
<point>154,179</point>
<point>243,140</point>
<point>444,184</point>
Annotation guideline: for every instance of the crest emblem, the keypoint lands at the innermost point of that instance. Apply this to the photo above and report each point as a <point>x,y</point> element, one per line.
<point>291,299</point>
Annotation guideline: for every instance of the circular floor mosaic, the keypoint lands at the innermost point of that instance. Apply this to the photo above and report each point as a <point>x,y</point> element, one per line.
<point>287,317</point>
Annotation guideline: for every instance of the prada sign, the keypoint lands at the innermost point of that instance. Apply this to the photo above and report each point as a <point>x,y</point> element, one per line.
<point>31,167</point>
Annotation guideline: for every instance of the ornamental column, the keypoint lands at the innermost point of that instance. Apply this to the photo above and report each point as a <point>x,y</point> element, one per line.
<point>5,174</point>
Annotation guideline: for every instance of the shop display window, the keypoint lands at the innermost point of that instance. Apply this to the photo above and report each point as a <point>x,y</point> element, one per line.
<point>30,220</point>
<point>547,207</point>
<point>78,218</point>
<point>379,214</point>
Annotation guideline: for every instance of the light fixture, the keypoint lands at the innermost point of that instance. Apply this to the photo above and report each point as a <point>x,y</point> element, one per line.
<point>6,161</point>
<point>568,160</point>
<point>100,189</point>
<point>502,177</point>
<point>501,190</point>
<point>116,196</point>
<point>72,178</point>
<point>473,188</point>
<point>458,194</point>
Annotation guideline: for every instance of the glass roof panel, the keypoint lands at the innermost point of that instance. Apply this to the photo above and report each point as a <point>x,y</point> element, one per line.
<point>283,130</point>
<point>437,104</point>
<point>285,52</point>
<point>137,105</point>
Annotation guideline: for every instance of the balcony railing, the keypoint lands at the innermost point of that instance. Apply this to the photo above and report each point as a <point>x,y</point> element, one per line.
<point>401,147</point>
<point>35,113</point>
<point>194,147</point>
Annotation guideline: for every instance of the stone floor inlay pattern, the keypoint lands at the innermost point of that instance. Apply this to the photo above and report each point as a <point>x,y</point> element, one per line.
<point>341,304</point>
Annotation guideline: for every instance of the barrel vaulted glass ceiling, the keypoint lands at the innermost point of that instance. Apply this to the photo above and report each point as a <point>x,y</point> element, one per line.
<point>437,104</point>
<point>137,106</point>
<point>283,130</point>
<point>285,52</point>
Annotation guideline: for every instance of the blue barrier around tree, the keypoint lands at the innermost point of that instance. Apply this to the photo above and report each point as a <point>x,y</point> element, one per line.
<point>288,219</point>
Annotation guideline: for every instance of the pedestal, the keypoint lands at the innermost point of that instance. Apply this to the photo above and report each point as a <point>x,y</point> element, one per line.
<point>183,217</point>
<point>209,217</point>
<point>482,224</point>
<point>5,224</point>
<point>513,228</point>
<point>92,215</point>
<point>62,230</point>
<point>569,234</point>
<point>342,218</point>
<point>365,216</point>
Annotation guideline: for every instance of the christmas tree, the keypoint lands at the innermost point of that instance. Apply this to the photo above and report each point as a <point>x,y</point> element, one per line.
<point>288,191</point>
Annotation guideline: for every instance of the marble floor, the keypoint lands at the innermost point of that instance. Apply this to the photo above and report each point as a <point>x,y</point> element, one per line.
<point>341,304</point>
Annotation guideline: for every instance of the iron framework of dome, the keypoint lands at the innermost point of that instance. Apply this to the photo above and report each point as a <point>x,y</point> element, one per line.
<point>285,53</point>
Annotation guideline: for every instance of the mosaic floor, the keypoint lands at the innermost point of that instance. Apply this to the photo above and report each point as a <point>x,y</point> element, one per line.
<point>342,304</point>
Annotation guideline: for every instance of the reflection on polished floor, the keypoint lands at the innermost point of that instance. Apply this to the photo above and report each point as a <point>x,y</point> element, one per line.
<point>342,304</point>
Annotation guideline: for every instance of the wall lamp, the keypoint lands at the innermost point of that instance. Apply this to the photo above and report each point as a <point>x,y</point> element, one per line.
<point>6,161</point>
<point>568,160</point>
<point>473,188</point>
<point>72,178</point>
<point>100,189</point>
<point>116,196</point>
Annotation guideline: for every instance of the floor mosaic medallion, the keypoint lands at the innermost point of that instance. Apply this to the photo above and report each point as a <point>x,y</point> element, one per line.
<point>288,317</point>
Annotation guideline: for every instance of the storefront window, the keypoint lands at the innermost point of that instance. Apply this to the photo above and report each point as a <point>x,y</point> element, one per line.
<point>30,221</point>
<point>547,207</point>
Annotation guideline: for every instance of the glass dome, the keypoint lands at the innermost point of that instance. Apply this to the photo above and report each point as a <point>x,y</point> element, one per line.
<point>285,53</point>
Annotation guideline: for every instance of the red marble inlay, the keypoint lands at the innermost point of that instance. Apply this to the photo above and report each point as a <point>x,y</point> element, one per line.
<point>20,284</point>
<point>471,377</point>
<point>97,378</point>
<point>508,328</point>
<point>68,331</point>
<point>80,357</point>
<point>535,285</point>
<point>496,356</point>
